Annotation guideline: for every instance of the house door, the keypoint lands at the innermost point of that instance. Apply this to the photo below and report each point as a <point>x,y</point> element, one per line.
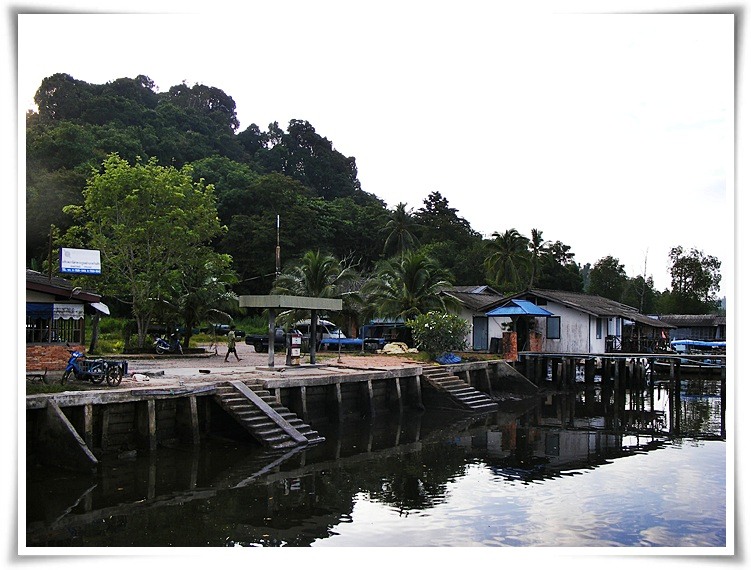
<point>522,334</point>
<point>479,333</point>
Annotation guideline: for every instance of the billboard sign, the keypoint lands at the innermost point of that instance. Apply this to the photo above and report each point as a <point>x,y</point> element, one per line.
<point>85,261</point>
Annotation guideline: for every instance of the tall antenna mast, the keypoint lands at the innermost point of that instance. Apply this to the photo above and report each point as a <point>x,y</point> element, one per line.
<point>278,249</point>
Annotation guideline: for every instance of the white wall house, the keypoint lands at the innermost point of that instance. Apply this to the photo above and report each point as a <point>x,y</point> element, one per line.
<point>588,324</point>
<point>473,300</point>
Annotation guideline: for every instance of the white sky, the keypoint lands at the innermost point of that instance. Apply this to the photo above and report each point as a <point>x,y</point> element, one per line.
<point>611,133</point>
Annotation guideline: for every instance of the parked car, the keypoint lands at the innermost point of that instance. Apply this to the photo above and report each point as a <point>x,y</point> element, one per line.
<point>223,330</point>
<point>324,329</point>
<point>260,342</point>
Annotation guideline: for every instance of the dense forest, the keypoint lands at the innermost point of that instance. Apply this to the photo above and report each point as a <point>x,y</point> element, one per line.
<point>256,177</point>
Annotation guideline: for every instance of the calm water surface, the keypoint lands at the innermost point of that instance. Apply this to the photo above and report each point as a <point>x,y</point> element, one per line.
<point>559,470</point>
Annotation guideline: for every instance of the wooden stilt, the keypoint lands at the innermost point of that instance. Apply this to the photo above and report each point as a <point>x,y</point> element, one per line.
<point>88,425</point>
<point>371,399</point>
<point>418,393</point>
<point>338,394</point>
<point>304,403</point>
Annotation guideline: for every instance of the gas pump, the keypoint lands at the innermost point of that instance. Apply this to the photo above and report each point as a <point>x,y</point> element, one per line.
<point>294,342</point>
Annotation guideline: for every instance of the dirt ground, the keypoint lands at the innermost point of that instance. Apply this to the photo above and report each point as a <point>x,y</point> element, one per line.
<point>152,370</point>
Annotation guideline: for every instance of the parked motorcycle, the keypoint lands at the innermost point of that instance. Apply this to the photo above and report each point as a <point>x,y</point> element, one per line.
<point>94,370</point>
<point>162,346</point>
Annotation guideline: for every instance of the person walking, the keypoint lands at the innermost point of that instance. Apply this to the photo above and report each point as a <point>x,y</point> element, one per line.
<point>231,340</point>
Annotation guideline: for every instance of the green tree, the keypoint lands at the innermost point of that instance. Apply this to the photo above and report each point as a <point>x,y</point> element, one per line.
<point>148,222</point>
<point>400,229</point>
<point>695,280</point>
<point>437,222</point>
<point>608,278</point>
<point>639,292</point>
<point>537,252</point>
<point>306,156</point>
<point>316,274</point>
<point>558,269</point>
<point>203,287</point>
<point>407,286</point>
<point>507,260</point>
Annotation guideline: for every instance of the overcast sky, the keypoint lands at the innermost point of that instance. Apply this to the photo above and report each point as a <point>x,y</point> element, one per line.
<point>611,133</point>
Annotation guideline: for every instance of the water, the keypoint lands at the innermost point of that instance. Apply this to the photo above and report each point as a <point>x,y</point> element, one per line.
<point>559,470</point>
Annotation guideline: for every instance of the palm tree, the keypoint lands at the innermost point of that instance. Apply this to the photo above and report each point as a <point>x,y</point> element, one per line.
<point>507,259</point>
<point>400,227</point>
<point>408,286</point>
<point>315,275</point>
<point>537,250</point>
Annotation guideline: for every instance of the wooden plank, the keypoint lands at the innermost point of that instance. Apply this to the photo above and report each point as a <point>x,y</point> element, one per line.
<point>61,444</point>
<point>115,396</point>
<point>270,412</point>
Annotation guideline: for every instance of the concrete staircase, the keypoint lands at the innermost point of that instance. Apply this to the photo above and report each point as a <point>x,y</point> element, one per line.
<point>459,391</point>
<point>257,410</point>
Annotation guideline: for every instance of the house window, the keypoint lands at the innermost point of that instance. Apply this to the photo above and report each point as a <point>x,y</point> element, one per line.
<point>553,327</point>
<point>59,322</point>
<point>599,328</point>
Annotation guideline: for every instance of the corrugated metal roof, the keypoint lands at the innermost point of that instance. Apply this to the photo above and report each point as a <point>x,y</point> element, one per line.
<point>58,286</point>
<point>518,307</point>
<point>591,304</point>
<point>474,297</point>
<point>694,320</point>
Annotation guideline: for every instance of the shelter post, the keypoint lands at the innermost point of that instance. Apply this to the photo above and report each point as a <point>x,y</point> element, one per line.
<point>272,334</point>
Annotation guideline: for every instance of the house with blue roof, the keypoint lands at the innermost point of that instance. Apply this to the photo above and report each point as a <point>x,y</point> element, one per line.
<point>577,323</point>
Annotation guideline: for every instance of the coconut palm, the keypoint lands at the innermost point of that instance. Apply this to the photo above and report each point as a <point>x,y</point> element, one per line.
<point>538,249</point>
<point>315,275</point>
<point>407,286</point>
<point>400,227</point>
<point>507,259</point>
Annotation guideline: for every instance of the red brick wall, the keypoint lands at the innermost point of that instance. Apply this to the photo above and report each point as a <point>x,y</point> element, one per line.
<point>509,347</point>
<point>535,342</point>
<point>49,356</point>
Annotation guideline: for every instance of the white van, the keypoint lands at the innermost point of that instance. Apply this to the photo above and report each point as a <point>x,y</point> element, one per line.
<point>324,329</point>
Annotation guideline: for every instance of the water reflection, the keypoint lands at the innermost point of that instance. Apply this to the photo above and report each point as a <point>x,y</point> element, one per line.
<point>226,493</point>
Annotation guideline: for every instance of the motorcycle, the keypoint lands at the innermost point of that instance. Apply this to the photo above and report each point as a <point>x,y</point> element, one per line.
<point>94,370</point>
<point>162,346</point>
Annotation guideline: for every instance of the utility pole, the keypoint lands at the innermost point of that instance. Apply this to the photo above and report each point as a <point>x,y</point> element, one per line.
<point>278,249</point>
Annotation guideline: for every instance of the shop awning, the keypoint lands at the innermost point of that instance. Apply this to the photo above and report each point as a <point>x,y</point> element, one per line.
<point>517,307</point>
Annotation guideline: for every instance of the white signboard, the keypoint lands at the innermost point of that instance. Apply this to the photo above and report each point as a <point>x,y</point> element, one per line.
<point>67,311</point>
<point>80,261</point>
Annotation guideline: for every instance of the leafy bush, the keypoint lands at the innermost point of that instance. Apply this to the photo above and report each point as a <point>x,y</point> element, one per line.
<point>438,333</point>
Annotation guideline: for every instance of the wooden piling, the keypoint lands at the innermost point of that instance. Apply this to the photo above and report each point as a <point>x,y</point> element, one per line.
<point>338,395</point>
<point>145,424</point>
<point>398,388</point>
<point>589,371</point>
<point>304,404</point>
<point>88,425</point>
<point>186,420</point>
<point>371,399</point>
